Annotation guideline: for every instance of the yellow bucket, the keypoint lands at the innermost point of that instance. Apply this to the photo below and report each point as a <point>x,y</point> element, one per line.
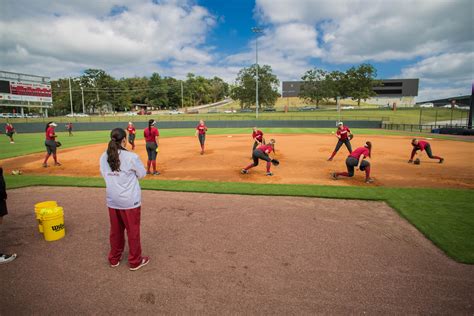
<point>53,223</point>
<point>39,207</point>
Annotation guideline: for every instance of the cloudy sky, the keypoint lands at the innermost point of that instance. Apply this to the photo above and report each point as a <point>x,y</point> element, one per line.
<point>428,39</point>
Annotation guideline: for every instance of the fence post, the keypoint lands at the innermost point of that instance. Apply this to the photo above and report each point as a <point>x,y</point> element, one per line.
<point>421,111</point>
<point>436,116</point>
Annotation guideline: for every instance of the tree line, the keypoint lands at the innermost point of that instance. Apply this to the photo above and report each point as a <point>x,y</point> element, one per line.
<point>101,92</point>
<point>318,85</point>
<point>356,83</point>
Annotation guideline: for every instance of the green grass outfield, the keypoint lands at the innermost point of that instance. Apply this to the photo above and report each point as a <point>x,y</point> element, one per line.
<point>34,142</point>
<point>401,116</point>
<point>445,216</point>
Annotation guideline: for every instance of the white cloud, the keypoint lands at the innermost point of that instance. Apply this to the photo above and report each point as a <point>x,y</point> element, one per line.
<point>442,76</point>
<point>79,35</point>
<point>139,37</point>
<point>445,67</point>
<point>438,34</point>
<point>356,31</point>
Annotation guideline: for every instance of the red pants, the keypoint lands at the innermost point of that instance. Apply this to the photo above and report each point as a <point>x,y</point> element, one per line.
<point>119,221</point>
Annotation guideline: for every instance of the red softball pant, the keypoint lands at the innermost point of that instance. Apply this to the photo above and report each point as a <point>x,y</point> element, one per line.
<point>121,220</point>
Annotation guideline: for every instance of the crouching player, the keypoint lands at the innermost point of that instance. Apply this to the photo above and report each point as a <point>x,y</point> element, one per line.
<point>262,152</point>
<point>422,145</point>
<point>357,160</point>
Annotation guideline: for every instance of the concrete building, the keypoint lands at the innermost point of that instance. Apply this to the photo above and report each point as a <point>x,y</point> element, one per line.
<point>20,91</point>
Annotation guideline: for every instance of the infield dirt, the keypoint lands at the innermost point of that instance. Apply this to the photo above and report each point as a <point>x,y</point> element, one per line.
<point>303,161</point>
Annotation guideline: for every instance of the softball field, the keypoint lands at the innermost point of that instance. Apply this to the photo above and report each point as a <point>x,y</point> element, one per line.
<point>303,161</point>
<point>241,254</point>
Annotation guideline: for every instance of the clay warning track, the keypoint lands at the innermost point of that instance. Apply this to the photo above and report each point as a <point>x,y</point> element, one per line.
<point>303,161</point>
<point>228,254</point>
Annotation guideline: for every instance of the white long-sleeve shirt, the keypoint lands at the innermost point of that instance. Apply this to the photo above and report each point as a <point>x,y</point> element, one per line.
<point>123,189</point>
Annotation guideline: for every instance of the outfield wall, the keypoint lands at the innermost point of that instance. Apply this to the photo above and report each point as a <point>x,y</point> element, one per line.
<point>98,126</point>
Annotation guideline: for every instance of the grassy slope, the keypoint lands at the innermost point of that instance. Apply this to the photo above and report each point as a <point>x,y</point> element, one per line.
<point>33,143</point>
<point>445,216</point>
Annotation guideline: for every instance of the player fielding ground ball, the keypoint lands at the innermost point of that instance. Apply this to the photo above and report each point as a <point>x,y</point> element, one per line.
<point>344,136</point>
<point>151,134</point>
<point>258,139</point>
<point>201,130</point>
<point>51,144</point>
<point>422,145</point>
<point>131,134</point>
<point>121,170</point>
<point>357,160</point>
<point>9,131</point>
<point>262,152</point>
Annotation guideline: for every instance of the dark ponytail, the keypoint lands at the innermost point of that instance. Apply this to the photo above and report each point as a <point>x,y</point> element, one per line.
<point>150,124</point>
<point>47,125</point>
<point>115,144</point>
<point>369,147</point>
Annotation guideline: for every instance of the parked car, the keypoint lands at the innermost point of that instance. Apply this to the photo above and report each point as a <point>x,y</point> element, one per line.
<point>212,111</point>
<point>307,108</point>
<point>230,111</point>
<point>448,106</point>
<point>269,110</point>
<point>246,110</point>
<point>77,115</point>
<point>130,114</point>
<point>427,105</point>
<point>348,107</point>
<point>174,112</point>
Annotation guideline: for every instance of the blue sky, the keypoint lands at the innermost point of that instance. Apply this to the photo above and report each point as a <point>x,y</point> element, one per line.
<point>403,38</point>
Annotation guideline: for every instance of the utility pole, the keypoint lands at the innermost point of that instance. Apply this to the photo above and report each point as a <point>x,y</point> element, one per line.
<point>256,30</point>
<point>182,95</point>
<point>70,96</point>
<point>471,109</point>
<point>82,94</point>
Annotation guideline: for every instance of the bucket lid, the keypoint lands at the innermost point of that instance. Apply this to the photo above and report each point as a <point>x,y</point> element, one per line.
<point>46,204</point>
<point>51,212</point>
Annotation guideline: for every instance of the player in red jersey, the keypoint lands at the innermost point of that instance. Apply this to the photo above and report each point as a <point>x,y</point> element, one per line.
<point>258,139</point>
<point>344,135</point>
<point>151,134</point>
<point>357,160</point>
<point>9,131</point>
<point>262,152</point>
<point>422,145</point>
<point>201,130</point>
<point>69,128</point>
<point>50,144</point>
<point>131,134</point>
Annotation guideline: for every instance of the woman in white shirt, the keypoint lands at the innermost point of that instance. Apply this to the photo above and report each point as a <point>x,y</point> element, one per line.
<point>121,170</point>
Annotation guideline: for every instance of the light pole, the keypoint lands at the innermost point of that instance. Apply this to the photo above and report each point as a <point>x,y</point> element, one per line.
<point>256,30</point>
<point>70,96</point>
<point>82,94</point>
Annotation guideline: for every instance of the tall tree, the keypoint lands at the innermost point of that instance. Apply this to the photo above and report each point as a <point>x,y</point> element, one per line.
<point>158,92</point>
<point>245,88</point>
<point>361,81</point>
<point>314,88</point>
<point>336,84</point>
